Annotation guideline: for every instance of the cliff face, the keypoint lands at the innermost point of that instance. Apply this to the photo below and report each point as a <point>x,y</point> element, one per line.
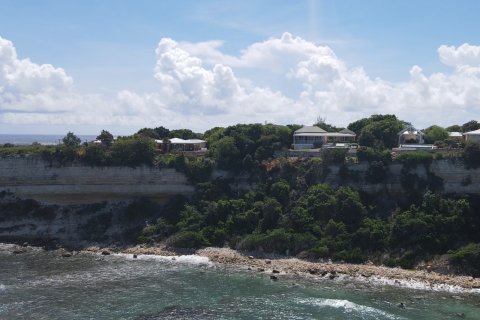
<point>450,177</point>
<point>33,178</point>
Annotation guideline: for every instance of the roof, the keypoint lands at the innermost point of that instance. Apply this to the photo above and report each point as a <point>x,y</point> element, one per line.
<point>474,132</point>
<point>347,131</point>
<point>310,129</point>
<point>410,130</point>
<point>455,134</point>
<point>182,141</point>
<point>324,134</point>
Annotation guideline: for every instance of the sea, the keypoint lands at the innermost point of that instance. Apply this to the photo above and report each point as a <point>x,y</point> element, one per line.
<point>45,139</point>
<point>44,285</point>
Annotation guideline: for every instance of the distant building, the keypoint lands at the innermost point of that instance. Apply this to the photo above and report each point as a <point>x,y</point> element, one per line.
<point>177,144</point>
<point>472,136</point>
<point>312,137</point>
<point>455,135</point>
<point>410,136</point>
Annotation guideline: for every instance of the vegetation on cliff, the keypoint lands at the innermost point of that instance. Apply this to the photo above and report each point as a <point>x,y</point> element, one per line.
<point>258,200</point>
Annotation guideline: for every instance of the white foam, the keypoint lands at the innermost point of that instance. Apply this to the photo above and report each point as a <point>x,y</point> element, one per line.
<point>187,259</point>
<point>349,307</point>
<point>2,287</point>
<point>419,285</point>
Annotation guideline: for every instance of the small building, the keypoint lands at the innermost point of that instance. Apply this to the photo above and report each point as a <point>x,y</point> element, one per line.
<point>312,137</point>
<point>183,145</point>
<point>455,135</point>
<point>472,136</point>
<point>410,136</point>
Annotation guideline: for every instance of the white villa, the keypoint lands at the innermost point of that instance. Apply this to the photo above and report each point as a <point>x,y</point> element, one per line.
<point>311,137</point>
<point>177,144</point>
<point>472,136</point>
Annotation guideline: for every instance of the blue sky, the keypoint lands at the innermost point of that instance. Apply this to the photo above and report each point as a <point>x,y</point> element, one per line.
<point>108,47</point>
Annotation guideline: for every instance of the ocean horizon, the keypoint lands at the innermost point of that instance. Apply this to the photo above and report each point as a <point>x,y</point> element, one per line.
<point>44,139</point>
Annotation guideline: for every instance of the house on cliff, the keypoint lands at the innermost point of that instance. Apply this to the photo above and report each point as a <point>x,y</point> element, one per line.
<point>311,137</point>
<point>473,136</point>
<point>183,145</point>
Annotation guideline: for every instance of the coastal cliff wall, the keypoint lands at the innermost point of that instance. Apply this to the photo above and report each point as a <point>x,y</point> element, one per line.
<point>34,178</point>
<point>451,177</point>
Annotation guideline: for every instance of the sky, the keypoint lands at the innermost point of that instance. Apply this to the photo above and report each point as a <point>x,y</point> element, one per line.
<point>120,65</point>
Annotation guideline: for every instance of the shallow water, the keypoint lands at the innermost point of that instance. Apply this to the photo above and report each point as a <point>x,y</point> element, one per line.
<point>43,285</point>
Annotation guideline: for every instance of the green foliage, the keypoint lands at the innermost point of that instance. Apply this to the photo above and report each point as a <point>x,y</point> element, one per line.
<point>281,191</point>
<point>187,239</point>
<point>471,155</point>
<point>435,133</point>
<point>278,241</point>
<point>414,158</point>
<point>467,258</point>
<point>370,154</point>
<point>133,152</point>
<point>106,138</point>
<point>71,140</point>
<point>454,128</point>
<point>97,155</point>
<point>470,126</point>
<point>183,134</point>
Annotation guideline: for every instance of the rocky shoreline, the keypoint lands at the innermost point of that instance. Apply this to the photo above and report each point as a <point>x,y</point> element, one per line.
<point>278,267</point>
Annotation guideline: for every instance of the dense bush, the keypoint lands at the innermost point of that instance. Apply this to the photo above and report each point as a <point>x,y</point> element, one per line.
<point>187,239</point>
<point>414,158</point>
<point>467,258</point>
<point>471,155</point>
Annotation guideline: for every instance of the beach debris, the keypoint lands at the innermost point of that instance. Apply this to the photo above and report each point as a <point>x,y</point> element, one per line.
<point>105,253</point>
<point>274,278</point>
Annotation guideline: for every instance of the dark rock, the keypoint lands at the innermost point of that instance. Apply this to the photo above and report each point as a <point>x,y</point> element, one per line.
<point>313,271</point>
<point>134,256</point>
<point>324,273</point>
<point>66,255</point>
<point>274,278</point>
<point>401,305</point>
<point>275,271</point>
<point>105,253</point>
<point>268,261</point>
<point>25,244</point>
<point>250,257</point>
<point>173,259</point>
<point>460,315</point>
<point>332,276</point>
<point>260,269</point>
<point>18,251</point>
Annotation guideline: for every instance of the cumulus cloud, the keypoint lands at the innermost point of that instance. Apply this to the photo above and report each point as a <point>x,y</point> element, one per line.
<point>26,86</point>
<point>198,86</point>
<point>465,55</point>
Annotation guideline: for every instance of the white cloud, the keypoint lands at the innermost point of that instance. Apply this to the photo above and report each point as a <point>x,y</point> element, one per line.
<point>199,87</point>
<point>26,86</point>
<point>465,55</point>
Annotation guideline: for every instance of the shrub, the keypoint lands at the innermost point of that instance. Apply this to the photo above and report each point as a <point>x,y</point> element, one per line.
<point>414,158</point>
<point>471,155</point>
<point>467,258</point>
<point>187,239</point>
<point>370,154</point>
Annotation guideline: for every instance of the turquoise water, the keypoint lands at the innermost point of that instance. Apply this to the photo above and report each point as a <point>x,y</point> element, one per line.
<point>43,285</point>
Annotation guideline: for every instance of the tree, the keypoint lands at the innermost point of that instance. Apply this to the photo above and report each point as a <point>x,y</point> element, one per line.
<point>381,134</point>
<point>226,153</point>
<point>435,133</point>
<point>454,128</point>
<point>71,140</point>
<point>470,126</point>
<point>148,132</point>
<point>106,138</point>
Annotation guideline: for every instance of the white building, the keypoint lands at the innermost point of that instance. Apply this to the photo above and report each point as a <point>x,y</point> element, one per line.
<point>472,136</point>
<point>311,137</point>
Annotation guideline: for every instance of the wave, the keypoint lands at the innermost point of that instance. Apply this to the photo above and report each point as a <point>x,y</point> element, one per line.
<point>419,285</point>
<point>350,307</point>
<point>187,259</point>
<point>3,287</point>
